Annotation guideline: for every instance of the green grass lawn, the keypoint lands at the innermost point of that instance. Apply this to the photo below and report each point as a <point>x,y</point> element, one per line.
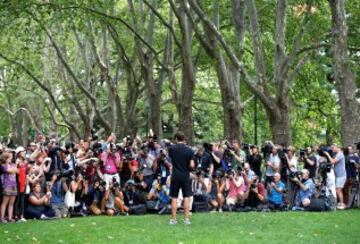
<point>254,227</point>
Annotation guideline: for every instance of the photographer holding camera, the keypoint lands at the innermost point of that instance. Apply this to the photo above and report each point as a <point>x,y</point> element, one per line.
<point>112,162</point>
<point>58,188</point>
<point>203,159</point>
<point>272,165</point>
<point>309,161</point>
<point>217,199</point>
<point>340,173</point>
<point>96,200</point>
<point>255,160</point>
<point>305,191</point>
<point>256,193</point>
<point>235,185</point>
<point>201,187</point>
<point>148,165</point>
<point>351,163</point>
<point>275,195</point>
<point>237,152</point>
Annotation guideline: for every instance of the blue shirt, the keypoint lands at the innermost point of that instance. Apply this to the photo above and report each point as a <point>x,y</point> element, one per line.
<point>57,193</point>
<point>276,197</point>
<point>308,193</point>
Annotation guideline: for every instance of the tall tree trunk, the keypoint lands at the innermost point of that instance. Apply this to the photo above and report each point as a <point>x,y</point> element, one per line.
<point>280,123</point>
<point>188,79</point>
<point>345,79</point>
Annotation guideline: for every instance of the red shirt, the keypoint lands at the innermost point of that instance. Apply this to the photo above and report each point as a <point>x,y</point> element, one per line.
<point>22,177</point>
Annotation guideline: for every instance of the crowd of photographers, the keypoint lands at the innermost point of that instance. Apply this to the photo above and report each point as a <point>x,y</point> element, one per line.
<point>46,180</point>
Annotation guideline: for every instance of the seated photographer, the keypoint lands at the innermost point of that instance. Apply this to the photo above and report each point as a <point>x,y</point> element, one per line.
<point>114,200</point>
<point>81,189</point>
<point>39,204</point>
<point>217,199</point>
<point>160,193</point>
<point>95,197</point>
<point>201,187</point>
<point>235,185</point>
<point>256,193</point>
<point>58,188</point>
<point>305,191</point>
<point>275,195</point>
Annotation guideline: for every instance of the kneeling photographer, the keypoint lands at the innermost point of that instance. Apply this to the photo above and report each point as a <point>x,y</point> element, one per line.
<point>257,194</point>
<point>58,188</point>
<point>201,187</point>
<point>96,203</point>
<point>235,185</point>
<point>276,190</point>
<point>217,198</point>
<point>305,190</point>
<point>114,199</point>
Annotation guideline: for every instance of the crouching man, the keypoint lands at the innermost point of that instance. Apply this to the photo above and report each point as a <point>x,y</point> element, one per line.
<point>305,191</point>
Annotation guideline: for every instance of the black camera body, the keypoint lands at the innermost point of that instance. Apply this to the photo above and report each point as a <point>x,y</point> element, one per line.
<point>302,153</point>
<point>321,151</point>
<point>293,175</point>
<point>325,167</point>
<point>266,149</point>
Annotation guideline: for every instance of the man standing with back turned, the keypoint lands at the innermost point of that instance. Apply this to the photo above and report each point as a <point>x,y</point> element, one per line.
<point>182,161</point>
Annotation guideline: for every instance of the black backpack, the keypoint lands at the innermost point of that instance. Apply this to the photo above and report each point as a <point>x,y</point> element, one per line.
<point>137,209</point>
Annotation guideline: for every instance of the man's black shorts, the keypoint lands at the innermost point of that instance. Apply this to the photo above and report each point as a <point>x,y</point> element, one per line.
<point>183,184</point>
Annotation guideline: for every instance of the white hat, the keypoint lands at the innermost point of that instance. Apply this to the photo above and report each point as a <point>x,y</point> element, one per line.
<point>19,149</point>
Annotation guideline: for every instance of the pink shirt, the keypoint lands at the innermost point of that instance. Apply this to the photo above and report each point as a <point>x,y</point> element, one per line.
<point>233,189</point>
<point>109,162</point>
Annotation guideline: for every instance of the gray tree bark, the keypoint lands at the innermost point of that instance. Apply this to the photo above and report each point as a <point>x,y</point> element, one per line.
<point>345,79</point>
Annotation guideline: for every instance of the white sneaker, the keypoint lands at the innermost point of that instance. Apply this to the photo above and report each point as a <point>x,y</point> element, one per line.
<point>172,222</point>
<point>220,210</point>
<point>187,222</point>
<point>22,220</point>
<point>43,217</point>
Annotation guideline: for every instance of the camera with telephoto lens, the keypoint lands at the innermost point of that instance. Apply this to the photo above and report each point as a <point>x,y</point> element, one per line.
<point>97,149</point>
<point>321,151</point>
<point>201,173</point>
<point>115,184</point>
<point>282,153</point>
<point>208,147</point>
<point>219,174</point>
<point>293,175</point>
<point>228,156</point>
<point>302,153</point>
<point>266,149</point>
<point>325,167</point>
<point>253,186</point>
<point>230,172</point>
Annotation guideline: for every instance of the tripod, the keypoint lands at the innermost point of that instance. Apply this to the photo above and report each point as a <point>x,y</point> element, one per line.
<point>354,198</point>
<point>326,192</point>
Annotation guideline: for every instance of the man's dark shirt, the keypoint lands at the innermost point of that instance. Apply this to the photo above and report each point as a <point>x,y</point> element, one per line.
<point>204,162</point>
<point>351,162</point>
<point>255,163</point>
<point>311,168</point>
<point>180,156</point>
